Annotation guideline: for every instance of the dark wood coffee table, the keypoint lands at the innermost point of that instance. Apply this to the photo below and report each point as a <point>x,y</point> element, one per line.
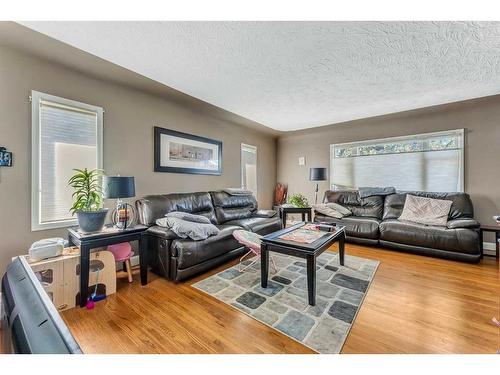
<point>284,211</point>
<point>307,251</point>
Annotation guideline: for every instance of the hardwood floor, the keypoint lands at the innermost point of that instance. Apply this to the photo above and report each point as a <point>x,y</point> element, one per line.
<point>415,304</point>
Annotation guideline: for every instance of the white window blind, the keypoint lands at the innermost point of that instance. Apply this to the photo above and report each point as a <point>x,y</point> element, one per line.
<point>426,162</point>
<point>65,135</point>
<point>249,168</point>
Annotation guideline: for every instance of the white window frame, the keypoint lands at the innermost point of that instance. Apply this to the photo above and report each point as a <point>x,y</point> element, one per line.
<point>402,138</point>
<point>36,98</point>
<point>242,145</point>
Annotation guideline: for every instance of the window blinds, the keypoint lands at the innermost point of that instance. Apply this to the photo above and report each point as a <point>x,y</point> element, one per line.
<point>68,140</point>
<point>426,162</point>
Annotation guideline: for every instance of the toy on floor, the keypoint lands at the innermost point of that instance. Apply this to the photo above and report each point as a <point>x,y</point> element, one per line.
<point>94,297</point>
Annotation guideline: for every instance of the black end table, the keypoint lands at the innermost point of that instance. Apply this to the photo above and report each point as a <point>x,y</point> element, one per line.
<point>490,228</point>
<point>109,236</point>
<point>307,251</point>
<point>283,211</point>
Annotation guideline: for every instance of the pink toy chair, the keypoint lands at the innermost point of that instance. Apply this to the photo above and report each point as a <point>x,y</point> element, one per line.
<point>122,253</point>
<point>251,241</point>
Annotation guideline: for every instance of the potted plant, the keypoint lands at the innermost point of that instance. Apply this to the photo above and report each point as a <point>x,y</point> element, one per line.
<point>88,199</point>
<point>298,200</point>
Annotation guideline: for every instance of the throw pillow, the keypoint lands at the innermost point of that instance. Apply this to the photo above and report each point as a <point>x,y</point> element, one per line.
<point>189,217</point>
<point>332,209</point>
<point>185,229</point>
<point>428,211</point>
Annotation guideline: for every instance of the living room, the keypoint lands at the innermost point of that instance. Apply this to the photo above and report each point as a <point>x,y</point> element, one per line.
<point>321,187</point>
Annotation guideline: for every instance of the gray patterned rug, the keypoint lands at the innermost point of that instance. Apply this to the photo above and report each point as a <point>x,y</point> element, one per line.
<point>283,304</point>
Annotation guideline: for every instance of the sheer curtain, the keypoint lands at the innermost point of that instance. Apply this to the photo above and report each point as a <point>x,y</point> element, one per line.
<point>427,162</point>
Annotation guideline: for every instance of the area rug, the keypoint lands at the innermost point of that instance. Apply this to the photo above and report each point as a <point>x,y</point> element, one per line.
<point>340,291</point>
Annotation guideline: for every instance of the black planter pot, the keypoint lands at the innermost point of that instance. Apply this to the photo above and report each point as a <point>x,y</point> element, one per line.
<point>91,221</point>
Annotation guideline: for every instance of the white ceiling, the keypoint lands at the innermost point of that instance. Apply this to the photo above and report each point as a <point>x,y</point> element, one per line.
<point>297,75</point>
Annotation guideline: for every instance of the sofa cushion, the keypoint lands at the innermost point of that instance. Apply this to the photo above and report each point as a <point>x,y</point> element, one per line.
<point>461,207</point>
<point>372,206</point>
<point>188,229</point>
<point>190,253</point>
<point>456,240</point>
<point>260,225</point>
<point>232,207</point>
<point>153,207</point>
<point>188,217</point>
<point>355,226</point>
<point>332,209</point>
<point>427,211</point>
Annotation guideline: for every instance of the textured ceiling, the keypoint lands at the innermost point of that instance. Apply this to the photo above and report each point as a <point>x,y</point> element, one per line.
<point>296,75</point>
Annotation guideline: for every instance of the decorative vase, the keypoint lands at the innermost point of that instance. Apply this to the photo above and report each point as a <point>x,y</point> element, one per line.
<point>91,221</point>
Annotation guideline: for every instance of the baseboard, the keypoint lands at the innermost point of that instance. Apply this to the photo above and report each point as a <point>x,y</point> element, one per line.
<point>489,248</point>
<point>134,261</point>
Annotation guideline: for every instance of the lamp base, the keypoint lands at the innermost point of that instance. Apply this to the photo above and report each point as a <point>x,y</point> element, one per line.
<point>124,216</point>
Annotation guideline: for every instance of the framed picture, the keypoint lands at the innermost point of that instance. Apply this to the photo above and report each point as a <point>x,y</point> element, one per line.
<point>5,157</point>
<point>178,152</point>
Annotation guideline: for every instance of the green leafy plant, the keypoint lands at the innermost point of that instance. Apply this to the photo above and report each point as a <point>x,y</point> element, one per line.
<point>298,200</point>
<point>88,192</point>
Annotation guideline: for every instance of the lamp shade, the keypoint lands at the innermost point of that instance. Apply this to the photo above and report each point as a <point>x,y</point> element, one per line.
<point>118,187</point>
<point>317,174</point>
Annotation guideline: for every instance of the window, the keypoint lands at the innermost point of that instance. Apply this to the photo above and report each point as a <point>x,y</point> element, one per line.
<point>249,168</point>
<point>65,135</point>
<point>426,162</point>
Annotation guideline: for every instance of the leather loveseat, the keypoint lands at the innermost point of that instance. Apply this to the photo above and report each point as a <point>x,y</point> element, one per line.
<point>177,258</point>
<point>374,221</point>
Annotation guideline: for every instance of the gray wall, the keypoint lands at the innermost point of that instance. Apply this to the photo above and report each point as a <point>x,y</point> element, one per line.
<point>481,118</point>
<point>128,139</point>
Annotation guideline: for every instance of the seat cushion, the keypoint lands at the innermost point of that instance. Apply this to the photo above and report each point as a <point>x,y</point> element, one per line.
<point>260,225</point>
<point>457,240</point>
<point>355,226</point>
<point>190,253</point>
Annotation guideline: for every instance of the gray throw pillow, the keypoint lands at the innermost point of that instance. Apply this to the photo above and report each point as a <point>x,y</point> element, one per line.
<point>189,217</point>
<point>427,211</point>
<point>332,210</point>
<point>185,229</point>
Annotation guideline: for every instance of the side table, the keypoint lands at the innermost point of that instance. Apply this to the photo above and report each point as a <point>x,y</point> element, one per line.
<point>490,228</point>
<point>283,211</point>
<point>109,236</point>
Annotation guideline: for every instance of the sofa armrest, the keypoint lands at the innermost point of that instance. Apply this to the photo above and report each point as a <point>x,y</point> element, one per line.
<point>265,213</point>
<point>162,232</point>
<point>463,223</point>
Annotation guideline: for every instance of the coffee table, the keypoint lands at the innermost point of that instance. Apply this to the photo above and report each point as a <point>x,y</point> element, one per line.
<point>307,251</point>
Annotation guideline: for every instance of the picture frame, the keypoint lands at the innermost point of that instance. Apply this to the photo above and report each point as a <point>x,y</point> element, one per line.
<point>178,152</point>
<point>5,157</point>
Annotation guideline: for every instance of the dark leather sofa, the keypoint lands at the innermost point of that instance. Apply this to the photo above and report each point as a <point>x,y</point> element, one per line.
<point>374,221</point>
<point>177,258</point>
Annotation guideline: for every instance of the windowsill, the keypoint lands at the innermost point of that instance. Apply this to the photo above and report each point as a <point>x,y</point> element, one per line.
<point>53,225</point>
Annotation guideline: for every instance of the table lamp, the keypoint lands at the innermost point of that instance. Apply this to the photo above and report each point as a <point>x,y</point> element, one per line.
<point>119,187</point>
<point>317,174</point>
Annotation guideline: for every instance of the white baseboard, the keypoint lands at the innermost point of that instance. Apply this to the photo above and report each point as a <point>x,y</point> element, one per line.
<point>489,248</point>
<point>134,261</point>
